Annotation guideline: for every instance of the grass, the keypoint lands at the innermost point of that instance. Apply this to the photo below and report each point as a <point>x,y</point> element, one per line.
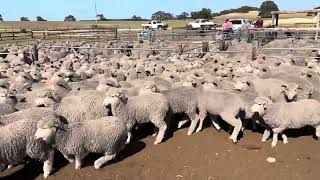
<point>285,20</point>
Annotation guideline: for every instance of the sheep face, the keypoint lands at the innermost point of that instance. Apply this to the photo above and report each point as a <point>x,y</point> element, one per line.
<point>45,134</point>
<point>46,129</point>
<point>113,98</point>
<point>290,91</point>
<point>241,85</point>
<point>261,105</point>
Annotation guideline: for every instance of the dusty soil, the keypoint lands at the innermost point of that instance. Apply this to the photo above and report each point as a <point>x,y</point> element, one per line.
<point>207,155</point>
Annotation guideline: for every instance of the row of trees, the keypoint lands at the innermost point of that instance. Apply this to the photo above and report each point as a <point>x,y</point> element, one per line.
<point>39,18</point>
<point>205,13</point>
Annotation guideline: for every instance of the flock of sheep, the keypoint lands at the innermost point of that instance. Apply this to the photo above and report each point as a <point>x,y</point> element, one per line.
<point>80,101</point>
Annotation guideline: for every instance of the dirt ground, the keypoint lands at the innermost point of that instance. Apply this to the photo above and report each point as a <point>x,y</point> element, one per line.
<point>207,155</point>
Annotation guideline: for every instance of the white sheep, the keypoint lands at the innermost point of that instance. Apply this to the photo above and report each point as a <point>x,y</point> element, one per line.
<point>281,116</point>
<point>18,142</point>
<point>145,108</point>
<point>106,135</point>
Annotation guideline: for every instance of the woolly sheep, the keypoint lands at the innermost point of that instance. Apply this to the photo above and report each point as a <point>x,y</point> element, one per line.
<point>277,90</point>
<point>106,135</point>
<point>83,106</point>
<point>151,107</point>
<point>18,141</point>
<point>225,104</point>
<point>281,116</point>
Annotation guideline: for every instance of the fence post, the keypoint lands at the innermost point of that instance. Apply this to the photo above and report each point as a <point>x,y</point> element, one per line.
<point>34,53</point>
<point>116,35</point>
<point>0,37</point>
<point>205,46</point>
<point>254,53</point>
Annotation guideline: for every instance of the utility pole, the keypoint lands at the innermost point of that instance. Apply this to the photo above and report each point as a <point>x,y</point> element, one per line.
<point>95,9</point>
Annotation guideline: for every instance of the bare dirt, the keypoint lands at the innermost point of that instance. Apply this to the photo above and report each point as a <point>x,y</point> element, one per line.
<point>208,155</point>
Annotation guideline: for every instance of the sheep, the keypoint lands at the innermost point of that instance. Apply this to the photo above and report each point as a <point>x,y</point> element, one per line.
<point>228,105</point>
<point>18,142</point>
<point>83,106</point>
<point>277,90</point>
<point>105,135</point>
<point>184,100</point>
<point>281,116</point>
<point>151,107</point>
<point>7,103</point>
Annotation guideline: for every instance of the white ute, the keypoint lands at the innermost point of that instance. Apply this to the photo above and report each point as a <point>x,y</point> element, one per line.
<point>241,23</point>
<point>155,25</point>
<point>201,24</point>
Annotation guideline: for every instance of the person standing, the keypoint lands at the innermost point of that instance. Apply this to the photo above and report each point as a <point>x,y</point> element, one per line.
<point>227,26</point>
<point>259,23</point>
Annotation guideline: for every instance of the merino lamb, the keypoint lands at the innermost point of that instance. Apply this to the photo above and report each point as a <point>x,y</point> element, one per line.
<point>228,105</point>
<point>151,107</point>
<point>84,106</point>
<point>106,135</point>
<point>18,141</point>
<point>281,116</point>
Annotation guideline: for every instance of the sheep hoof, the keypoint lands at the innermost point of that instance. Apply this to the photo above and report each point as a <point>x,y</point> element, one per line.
<point>157,142</point>
<point>97,165</point>
<point>189,133</point>
<point>154,134</point>
<point>77,167</point>
<point>273,145</point>
<point>285,142</point>
<point>45,175</point>
<point>263,140</point>
<point>198,130</point>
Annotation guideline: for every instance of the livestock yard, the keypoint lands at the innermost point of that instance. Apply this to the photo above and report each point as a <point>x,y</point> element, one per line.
<point>114,103</point>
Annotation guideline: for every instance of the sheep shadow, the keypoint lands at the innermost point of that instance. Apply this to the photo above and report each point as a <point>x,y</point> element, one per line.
<point>131,149</point>
<point>31,170</point>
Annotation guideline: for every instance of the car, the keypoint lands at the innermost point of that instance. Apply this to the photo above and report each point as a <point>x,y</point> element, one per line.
<point>155,25</point>
<point>240,23</point>
<point>203,24</point>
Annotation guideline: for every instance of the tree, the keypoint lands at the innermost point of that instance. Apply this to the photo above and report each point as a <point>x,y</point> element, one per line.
<point>70,18</point>
<point>183,15</point>
<point>1,19</point>
<point>313,14</point>
<point>39,18</point>
<point>24,19</point>
<point>205,13</point>
<point>161,15</point>
<point>101,17</point>
<point>266,8</point>
<point>134,17</point>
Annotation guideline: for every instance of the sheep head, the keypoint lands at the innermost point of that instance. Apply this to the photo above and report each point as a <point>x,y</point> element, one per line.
<point>47,127</point>
<point>261,105</point>
<point>290,91</point>
<point>242,84</point>
<point>113,97</point>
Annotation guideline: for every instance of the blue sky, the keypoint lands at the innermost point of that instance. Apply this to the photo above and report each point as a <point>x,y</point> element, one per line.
<point>84,9</point>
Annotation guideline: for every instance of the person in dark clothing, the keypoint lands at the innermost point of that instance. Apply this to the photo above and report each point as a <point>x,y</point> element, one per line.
<point>259,23</point>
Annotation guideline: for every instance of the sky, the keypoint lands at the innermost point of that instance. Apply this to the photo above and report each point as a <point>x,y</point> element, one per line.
<point>118,9</point>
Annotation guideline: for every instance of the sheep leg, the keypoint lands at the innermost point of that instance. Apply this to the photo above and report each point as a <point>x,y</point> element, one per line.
<point>128,138</point>
<point>103,160</point>
<point>181,123</point>
<point>276,132</point>
<point>284,138</point>
<point>68,158</point>
<point>215,123</point>
<point>318,131</point>
<point>159,123</point>
<point>155,131</point>
<point>47,165</point>
<point>78,162</point>
<point>194,121</point>
<point>235,122</point>
<point>266,135</point>
<point>202,116</point>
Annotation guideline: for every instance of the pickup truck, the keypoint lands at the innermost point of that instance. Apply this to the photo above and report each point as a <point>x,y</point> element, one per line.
<point>241,23</point>
<point>201,24</point>
<point>155,25</point>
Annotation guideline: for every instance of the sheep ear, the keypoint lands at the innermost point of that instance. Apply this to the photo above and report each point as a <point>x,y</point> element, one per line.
<point>284,86</point>
<point>248,83</point>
